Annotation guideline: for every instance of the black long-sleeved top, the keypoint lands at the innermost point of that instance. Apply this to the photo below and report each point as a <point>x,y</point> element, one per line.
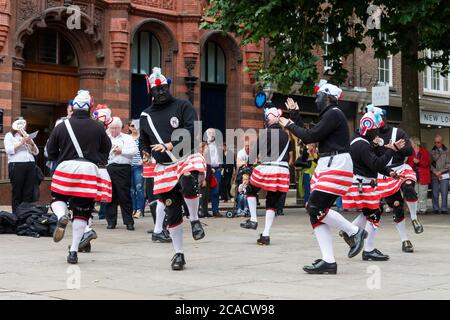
<point>365,162</point>
<point>331,132</point>
<point>273,131</point>
<point>94,142</point>
<point>399,156</point>
<point>168,117</point>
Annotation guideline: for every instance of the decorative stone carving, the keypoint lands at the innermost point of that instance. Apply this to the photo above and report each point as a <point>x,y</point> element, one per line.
<point>163,4</point>
<point>98,20</point>
<point>92,73</point>
<point>53,3</point>
<point>4,22</point>
<point>190,80</point>
<point>18,63</point>
<point>119,39</point>
<point>190,63</point>
<point>27,9</point>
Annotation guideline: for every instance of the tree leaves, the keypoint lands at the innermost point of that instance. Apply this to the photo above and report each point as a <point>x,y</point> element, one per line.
<point>294,29</point>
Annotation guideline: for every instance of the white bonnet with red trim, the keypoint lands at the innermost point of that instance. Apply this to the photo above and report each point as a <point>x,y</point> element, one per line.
<point>369,121</point>
<point>329,89</point>
<point>103,114</point>
<point>156,78</point>
<point>272,113</point>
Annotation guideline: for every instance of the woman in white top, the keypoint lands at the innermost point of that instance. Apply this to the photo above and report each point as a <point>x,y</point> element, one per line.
<point>137,180</point>
<point>21,166</point>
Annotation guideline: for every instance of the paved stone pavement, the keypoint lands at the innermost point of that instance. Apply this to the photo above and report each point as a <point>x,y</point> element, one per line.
<point>227,264</point>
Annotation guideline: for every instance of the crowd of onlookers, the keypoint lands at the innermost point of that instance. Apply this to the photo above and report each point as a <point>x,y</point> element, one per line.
<point>225,179</point>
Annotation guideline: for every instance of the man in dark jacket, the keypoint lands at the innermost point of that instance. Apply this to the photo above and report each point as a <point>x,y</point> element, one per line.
<point>333,175</point>
<point>79,144</point>
<point>176,175</point>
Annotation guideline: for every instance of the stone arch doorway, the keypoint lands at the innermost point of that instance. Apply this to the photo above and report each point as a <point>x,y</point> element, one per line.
<point>153,45</point>
<point>220,78</point>
<point>50,65</point>
<point>49,80</point>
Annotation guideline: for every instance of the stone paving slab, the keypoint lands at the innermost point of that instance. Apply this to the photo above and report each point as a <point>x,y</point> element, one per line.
<point>227,264</point>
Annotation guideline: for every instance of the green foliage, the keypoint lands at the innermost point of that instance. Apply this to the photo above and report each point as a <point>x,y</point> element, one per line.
<point>293,28</point>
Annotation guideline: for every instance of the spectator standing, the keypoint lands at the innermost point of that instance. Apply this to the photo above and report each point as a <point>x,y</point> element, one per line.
<point>205,185</point>
<point>228,170</point>
<point>137,180</point>
<point>243,155</point>
<point>420,162</point>
<point>119,168</point>
<point>21,150</point>
<point>215,157</point>
<point>440,167</point>
<point>308,172</point>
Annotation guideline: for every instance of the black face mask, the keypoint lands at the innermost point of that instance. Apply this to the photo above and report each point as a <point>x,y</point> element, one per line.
<point>371,134</point>
<point>161,94</point>
<point>322,101</point>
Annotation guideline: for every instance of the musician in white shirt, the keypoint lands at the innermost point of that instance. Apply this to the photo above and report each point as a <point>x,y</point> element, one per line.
<point>21,150</point>
<point>119,168</point>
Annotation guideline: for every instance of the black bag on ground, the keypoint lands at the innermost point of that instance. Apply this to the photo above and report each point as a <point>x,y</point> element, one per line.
<point>8,222</point>
<point>34,220</point>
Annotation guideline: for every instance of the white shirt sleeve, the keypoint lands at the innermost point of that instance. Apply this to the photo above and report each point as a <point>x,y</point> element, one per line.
<point>9,144</point>
<point>129,146</point>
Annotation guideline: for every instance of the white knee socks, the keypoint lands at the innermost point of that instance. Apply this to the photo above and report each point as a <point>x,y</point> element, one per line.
<point>369,244</point>
<point>160,215</point>
<point>252,207</point>
<point>192,204</point>
<point>270,215</point>
<point>176,233</point>
<point>78,227</point>
<point>59,208</point>
<point>325,240</point>
<point>401,228</point>
<point>412,206</point>
<point>88,226</point>
<point>360,221</point>
<point>336,220</point>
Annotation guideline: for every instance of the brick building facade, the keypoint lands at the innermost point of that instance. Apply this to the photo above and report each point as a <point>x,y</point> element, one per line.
<point>48,52</point>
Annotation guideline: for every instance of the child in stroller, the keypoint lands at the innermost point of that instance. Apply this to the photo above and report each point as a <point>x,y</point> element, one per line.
<point>241,206</point>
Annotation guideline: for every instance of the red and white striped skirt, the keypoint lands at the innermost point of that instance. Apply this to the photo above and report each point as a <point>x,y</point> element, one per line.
<point>271,176</point>
<point>104,194</point>
<point>336,178</point>
<point>166,176</point>
<point>80,178</point>
<point>387,186</point>
<point>368,198</point>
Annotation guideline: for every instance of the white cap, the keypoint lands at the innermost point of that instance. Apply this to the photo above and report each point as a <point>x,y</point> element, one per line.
<point>82,101</point>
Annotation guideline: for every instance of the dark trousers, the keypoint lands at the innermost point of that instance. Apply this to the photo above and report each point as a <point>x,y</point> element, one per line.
<point>204,199</point>
<point>281,202</point>
<point>121,184</point>
<point>225,186</point>
<point>23,179</point>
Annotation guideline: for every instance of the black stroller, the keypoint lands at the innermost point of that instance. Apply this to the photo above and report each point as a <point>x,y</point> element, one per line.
<point>245,169</point>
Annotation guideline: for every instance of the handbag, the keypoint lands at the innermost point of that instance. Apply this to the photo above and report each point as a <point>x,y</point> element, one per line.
<point>213,182</point>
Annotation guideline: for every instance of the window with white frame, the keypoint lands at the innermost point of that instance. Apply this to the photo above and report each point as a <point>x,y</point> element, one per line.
<point>327,40</point>
<point>385,71</point>
<point>433,81</point>
<point>385,66</point>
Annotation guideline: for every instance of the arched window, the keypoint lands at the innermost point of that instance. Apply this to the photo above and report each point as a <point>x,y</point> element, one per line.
<point>146,53</point>
<point>49,47</point>
<point>213,64</point>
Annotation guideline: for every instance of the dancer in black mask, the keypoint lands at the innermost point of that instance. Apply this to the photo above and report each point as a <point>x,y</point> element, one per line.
<point>175,175</point>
